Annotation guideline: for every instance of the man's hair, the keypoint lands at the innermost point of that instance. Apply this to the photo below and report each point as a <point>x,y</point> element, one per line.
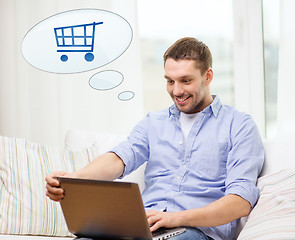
<point>190,49</point>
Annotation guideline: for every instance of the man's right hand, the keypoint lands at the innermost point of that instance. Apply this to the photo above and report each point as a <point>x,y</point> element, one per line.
<point>53,190</point>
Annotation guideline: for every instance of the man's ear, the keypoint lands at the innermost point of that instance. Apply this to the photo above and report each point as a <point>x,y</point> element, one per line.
<point>209,76</point>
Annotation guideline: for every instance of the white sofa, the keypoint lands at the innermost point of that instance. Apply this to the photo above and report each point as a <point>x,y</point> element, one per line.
<point>277,181</point>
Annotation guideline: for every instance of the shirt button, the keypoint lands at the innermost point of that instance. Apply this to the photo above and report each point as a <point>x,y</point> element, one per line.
<point>181,142</point>
<point>178,177</point>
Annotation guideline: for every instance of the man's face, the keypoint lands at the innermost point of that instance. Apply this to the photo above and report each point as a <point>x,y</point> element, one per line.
<point>187,87</point>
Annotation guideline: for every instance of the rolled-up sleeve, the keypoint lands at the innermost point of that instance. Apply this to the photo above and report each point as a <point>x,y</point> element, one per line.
<point>135,150</point>
<point>245,159</point>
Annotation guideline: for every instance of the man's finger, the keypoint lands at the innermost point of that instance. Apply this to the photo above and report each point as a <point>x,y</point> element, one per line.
<point>54,197</point>
<point>155,226</point>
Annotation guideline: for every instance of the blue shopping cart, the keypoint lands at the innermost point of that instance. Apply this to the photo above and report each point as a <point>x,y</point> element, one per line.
<point>77,38</point>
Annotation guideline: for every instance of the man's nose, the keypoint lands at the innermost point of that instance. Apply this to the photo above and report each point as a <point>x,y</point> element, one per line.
<point>178,89</point>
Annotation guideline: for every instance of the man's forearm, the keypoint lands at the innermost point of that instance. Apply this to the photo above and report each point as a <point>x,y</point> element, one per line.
<point>107,166</point>
<point>222,211</point>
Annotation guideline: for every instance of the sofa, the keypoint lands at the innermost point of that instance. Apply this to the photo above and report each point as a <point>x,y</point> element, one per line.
<point>26,213</point>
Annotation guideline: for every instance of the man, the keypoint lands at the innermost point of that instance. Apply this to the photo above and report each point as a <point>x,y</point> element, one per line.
<point>203,158</point>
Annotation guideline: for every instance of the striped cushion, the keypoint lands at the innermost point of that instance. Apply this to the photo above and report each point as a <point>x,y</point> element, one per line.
<point>24,208</point>
<point>274,215</point>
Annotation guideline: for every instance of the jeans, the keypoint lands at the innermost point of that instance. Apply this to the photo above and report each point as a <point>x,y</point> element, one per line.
<point>189,234</point>
<point>192,234</point>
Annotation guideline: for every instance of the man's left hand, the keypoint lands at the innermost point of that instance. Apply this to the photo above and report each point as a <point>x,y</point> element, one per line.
<point>157,219</point>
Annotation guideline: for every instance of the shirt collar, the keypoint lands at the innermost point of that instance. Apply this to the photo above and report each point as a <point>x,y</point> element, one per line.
<point>173,111</point>
<point>214,108</point>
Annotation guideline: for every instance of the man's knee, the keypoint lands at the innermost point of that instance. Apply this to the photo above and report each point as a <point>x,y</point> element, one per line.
<point>191,234</point>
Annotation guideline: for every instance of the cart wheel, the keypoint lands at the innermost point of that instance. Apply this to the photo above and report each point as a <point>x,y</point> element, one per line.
<point>64,58</point>
<point>89,57</point>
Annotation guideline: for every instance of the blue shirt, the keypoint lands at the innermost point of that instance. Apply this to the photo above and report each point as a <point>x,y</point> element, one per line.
<point>222,154</point>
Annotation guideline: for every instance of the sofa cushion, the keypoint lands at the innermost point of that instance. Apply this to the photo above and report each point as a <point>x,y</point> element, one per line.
<point>24,208</point>
<point>273,217</point>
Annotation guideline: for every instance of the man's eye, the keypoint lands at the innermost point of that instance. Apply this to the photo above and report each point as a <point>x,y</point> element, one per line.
<point>185,81</point>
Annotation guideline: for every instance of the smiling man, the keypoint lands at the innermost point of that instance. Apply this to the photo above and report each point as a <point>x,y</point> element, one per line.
<point>188,81</point>
<point>203,158</point>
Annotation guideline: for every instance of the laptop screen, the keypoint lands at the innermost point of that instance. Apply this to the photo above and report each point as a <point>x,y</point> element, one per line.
<point>107,209</point>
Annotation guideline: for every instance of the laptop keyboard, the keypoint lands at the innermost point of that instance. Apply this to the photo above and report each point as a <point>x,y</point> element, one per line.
<point>159,231</point>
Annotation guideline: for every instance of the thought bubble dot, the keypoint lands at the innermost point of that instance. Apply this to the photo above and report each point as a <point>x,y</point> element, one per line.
<point>125,96</point>
<point>106,80</point>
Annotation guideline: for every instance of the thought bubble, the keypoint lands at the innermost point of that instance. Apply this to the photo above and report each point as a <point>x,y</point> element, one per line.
<point>106,80</point>
<point>126,95</point>
<point>77,41</point>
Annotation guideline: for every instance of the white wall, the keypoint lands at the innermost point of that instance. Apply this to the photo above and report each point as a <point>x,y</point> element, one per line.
<point>248,60</point>
<point>286,75</point>
<point>42,106</point>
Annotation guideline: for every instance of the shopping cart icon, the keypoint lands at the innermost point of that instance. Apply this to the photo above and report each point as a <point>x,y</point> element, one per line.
<point>77,38</point>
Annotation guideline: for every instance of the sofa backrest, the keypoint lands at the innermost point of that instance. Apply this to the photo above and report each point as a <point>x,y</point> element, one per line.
<point>77,139</point>
<point>279,153</point>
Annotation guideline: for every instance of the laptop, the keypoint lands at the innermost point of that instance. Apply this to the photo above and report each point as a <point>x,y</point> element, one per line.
<point>107,210</point>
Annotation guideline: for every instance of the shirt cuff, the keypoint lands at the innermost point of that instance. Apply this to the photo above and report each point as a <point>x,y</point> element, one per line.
<point>124,157</point>
<point>249,193</point>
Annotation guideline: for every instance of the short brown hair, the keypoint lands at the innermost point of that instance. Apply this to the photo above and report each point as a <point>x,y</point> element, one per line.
<point>191,49</point>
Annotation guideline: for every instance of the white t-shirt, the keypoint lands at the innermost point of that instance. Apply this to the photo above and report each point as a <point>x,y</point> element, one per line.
<point>187,121</point>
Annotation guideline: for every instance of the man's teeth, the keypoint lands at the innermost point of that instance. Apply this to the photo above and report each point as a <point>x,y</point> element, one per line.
<point>182,99</point>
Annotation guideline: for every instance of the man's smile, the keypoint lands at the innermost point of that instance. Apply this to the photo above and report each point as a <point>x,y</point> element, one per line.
<point>182,100</point>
